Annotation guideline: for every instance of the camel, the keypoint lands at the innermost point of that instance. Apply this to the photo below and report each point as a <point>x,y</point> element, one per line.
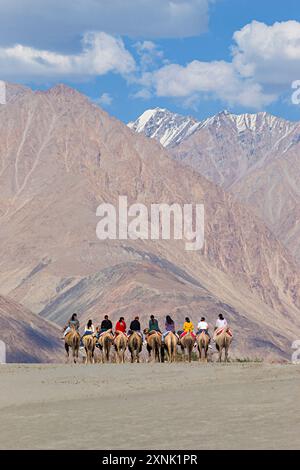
<point>135,344</point>
<point>170,345</point>
<point>89,343</point>
<point>187,344</point>
<point>72,340</point>
<point>153,339</point>
<point>203,343</point>
<point>223,341</point>
<point>120,343</point>
<point>105,342</point>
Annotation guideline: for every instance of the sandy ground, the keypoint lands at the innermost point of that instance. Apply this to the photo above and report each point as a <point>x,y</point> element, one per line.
<point>150,406</point>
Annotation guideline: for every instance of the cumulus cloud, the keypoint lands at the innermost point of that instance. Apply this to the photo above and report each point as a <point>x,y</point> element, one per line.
<point>55,24</point>
<point>265,62</point>
<point>217,79</point>
<point>101,53</point>
<point>268,54</point>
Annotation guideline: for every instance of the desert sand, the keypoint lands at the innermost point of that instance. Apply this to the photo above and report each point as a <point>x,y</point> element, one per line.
<point>150,406</point>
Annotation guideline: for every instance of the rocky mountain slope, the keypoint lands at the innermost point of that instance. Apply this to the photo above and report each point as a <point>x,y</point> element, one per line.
<point>61,156</point>
<point>255,156</point>
<point>28,337</point>
<point>166,127</point>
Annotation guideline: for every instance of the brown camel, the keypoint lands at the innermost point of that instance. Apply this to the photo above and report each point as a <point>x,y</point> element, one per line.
<point>89,343</point>
<point>72,340</point>
<point>170,345</point>
<point>203,343</point>
<point>153,339</point>
<point>105,342</point>
<point>187,344</point>
<point>120,343</point>
<point>223,341</point>
<point>135,344</point>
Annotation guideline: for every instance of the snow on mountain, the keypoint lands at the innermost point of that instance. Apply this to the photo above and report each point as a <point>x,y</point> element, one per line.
<point>166,127</point>
<point>170,129</point>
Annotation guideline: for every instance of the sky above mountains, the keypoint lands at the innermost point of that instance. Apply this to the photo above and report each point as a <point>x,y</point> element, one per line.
<point>192,56</point>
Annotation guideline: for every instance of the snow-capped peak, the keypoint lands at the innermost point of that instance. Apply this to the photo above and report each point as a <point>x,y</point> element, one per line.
<point>171,129</point>
<point>166,127</point>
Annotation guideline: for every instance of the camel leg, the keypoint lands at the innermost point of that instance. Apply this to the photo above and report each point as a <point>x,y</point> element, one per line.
<point>174,354</point>
<point>206,352</point>
<point>220,354</point>
<point>67,352</point>
<point>226,353</point>
<point>170,353</point>
<point>183,353</point>
<point>200,353</point>
<point>131,353</point>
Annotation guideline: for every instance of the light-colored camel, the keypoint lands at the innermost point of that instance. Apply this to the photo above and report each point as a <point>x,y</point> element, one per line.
<point>135,344</point>
<point>120,343</point>
<point>89,343</point>
<point>187,344</point>
<point>72,340</point>
<point>203,343</point>
<point>105,342</point>
<point>223,341</point>
<point>153,339</point>
<point>170,345</point>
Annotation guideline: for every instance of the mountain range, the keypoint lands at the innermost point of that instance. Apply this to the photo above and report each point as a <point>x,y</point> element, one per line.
<point>60,157</point>
<point>254,156</point>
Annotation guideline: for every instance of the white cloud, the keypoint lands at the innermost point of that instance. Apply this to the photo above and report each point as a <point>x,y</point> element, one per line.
<point>149,53</point>
<point>265,61</point>
<point>217,79</point>
<point>105,100</point>
<point>101,53</point>
<point>56,24</point>
<point>268,54</point>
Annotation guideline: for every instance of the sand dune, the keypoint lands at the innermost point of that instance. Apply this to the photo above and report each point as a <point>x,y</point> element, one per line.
<point>146,406</point>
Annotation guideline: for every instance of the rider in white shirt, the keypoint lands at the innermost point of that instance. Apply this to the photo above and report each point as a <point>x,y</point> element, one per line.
<point>203,326</point>
<point>221,322</point>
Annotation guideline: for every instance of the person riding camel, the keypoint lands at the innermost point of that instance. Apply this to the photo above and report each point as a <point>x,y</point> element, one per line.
<point>106,324</point>
<point>153,325</point>
<point>120,326</point>
<point>135,326</point>
<point>221,322</point>
<point>203,326</point>
<point>169,327</point>
<point>188,327</point>
<point>72,323</point>
<point>89,329</point>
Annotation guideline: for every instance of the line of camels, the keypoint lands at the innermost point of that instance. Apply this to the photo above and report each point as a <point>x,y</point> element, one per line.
<point>156,349</point>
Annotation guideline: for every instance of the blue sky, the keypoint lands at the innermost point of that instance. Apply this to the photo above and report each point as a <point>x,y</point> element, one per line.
<point>194,57</point>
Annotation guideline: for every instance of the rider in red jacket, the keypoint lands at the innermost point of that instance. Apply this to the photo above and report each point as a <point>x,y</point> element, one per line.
<point>121,325</point>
